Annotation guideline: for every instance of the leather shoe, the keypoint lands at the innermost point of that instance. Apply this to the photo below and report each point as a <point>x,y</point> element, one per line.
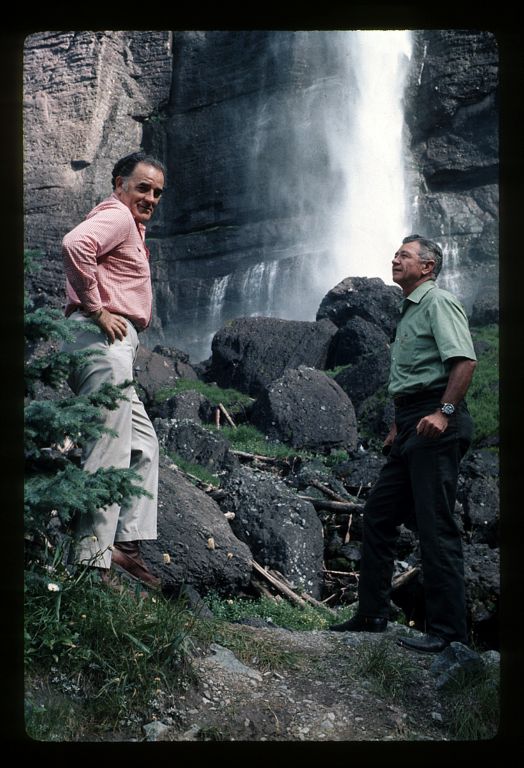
<point>126,557</point>
<point>361,624</point>
<point>425,644</point>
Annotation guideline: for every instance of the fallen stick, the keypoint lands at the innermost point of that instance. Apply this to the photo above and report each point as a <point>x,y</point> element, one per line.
<point>308,598</point>
<point>255,456</point>
<point>279,585</point>
<point>403,578</point>
<point>328,491</point>
<point>335,506</point>
<point>228,417</point>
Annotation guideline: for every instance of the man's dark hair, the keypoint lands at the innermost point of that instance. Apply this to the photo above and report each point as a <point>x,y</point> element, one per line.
<point>126,165</point>
<point>427,247</point>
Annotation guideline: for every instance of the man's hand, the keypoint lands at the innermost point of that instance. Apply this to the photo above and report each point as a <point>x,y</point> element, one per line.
<point>386,445</point>
<point>114,326</point>
<point>433,425</point>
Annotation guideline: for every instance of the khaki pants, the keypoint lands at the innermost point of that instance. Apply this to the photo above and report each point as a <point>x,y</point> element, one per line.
<point>134,447</point>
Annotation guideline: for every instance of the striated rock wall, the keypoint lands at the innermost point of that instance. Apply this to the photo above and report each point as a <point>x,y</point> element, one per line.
<point>452,119</point>
<point>86,98</point>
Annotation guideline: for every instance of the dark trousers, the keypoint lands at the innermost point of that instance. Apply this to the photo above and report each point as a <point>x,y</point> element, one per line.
<point>419,481</point>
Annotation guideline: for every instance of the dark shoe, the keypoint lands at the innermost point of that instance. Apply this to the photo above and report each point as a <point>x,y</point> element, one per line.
<point>126,557</point>
<point>425,644</point>
<point>361,624</point>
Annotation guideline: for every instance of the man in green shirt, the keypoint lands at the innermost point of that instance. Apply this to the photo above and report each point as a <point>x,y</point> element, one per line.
<point>432,364</point>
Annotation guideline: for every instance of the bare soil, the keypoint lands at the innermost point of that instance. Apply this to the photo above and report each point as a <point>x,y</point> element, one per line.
<point>323,698</point>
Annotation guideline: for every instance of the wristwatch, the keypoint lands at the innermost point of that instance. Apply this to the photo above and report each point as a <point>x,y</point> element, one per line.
<point>448,409</point>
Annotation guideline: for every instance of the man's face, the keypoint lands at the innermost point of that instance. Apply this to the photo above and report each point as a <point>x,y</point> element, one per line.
<point>141,191</point>
<point>408,270</point>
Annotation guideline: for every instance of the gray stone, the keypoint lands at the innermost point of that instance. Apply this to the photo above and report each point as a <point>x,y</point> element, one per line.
<point>282,531</point>
<point>225,658</point>
<point>250,353</point>
<point>154,372</point>
<point>453,662</point>
<point>155,730</point>
<point>366,297</point>
<point>195,544</point>
<point>307,409</point>
<point>366,376</point>
<point>195,444</point>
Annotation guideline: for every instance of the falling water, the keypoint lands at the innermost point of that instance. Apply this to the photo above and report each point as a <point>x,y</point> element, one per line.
<point>325,171</point>
<point>373,214</point>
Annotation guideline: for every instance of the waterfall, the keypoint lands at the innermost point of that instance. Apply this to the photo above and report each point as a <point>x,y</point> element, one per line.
<point>325,182</point>
<point>373,215</point>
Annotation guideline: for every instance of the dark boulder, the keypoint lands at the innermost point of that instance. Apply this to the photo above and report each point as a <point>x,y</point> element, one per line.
<point>355,339</point>
<point>305,408</point>
<point>195,444</point>
<point>282,531</point>
<point>482,576</point>
<point>195,544</point>
<point>365,377</point>
<point>186,405</point>
<point>361,470</point>
<point>249,353</point>
<point>366,297</point>
<point>485,310</point>
<point>481,509</point>
<point>154,371</point>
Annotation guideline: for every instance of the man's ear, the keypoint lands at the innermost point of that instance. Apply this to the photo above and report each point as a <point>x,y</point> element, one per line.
<point>430,263</point>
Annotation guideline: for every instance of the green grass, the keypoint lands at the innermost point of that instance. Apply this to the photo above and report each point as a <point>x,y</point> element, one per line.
<point>389,674</point>
<point>474,705</point>
<point>233,400</point>
<point>117,649</point>
<point>201,473</point>
<point>248,438</point>
<point>483,394</point>
<point>281,613</point>
<point>241,640</point>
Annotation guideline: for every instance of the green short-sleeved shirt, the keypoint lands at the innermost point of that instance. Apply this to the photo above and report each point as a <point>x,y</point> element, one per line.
<point>432,330</point>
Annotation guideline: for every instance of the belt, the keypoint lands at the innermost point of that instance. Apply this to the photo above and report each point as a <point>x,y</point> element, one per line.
<point>417,397</point>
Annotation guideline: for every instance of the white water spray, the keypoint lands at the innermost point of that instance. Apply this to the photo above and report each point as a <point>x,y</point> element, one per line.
<point>373,217</point>
<point>326,173</point>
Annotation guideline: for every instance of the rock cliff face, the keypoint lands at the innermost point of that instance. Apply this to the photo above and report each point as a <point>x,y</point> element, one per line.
<point>86,98</point>
<point>452,119</point>
<point>241,228</point>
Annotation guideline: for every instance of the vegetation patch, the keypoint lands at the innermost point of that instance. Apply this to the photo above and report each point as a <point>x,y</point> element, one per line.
<point>483,394</point>
<point>232,399</point>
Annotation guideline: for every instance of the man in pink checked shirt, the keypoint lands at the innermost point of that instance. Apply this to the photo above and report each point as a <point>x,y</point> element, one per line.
<point>108,281</point>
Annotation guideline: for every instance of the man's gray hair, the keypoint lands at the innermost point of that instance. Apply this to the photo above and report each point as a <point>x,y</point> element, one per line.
<point>428,250</point>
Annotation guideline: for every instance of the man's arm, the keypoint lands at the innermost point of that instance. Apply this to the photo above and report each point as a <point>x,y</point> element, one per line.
<point>461,373</point>
<point>80,248</point>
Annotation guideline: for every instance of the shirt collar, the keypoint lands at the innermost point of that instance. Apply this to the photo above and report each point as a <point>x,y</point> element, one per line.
<point>418,294</point>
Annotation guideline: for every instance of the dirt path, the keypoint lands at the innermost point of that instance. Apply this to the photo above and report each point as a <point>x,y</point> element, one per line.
<point>325,698</point>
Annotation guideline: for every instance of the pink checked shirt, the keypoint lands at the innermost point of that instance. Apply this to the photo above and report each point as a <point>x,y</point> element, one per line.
<point>107,264</point>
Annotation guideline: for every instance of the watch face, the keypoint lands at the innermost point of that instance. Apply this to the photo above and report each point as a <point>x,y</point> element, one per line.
<point>448,409</point>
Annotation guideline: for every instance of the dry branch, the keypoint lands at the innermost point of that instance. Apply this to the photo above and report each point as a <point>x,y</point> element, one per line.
<point>325,489</point>
<point>255,457</point>
<point>279,585</point>
<point>403,578</point>
<point>228,417</point>
<point>334,506</point>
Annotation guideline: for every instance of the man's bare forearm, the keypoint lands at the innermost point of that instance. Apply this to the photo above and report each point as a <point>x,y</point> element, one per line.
<point>459,380</point>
